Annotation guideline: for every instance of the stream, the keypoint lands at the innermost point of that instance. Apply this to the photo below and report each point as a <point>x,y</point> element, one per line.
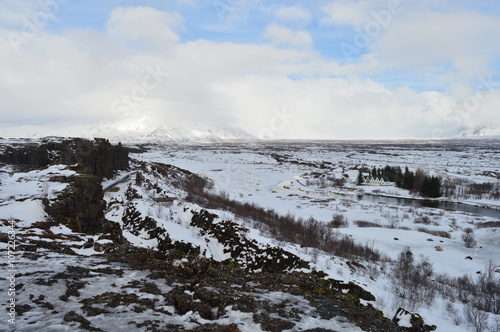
<point>436,204</point>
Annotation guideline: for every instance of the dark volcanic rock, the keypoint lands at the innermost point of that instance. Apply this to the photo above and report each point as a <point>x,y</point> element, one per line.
<point>277,301</point>
<point>80,206</point>
<point>416,321</point>
<point>215,328</point>
<point>84,323</point>
<point>98,156</point>
<point>246,251</point>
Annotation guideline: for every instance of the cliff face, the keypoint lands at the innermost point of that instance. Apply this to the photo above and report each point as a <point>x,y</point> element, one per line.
<point>99,156</point>
<point>81,205</point>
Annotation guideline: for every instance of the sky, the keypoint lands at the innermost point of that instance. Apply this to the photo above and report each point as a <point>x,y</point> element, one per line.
<point>319,69</point>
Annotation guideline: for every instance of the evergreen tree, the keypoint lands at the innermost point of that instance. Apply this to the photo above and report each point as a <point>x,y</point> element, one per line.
<point>419,180</point>
<point>434,187</point>
<point>431,186</point>
<point>360,178</point>
<point>388,172</point>
<point>408,179</point>
<point>399,177</point>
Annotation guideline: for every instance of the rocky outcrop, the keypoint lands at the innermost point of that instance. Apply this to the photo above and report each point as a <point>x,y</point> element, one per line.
<point>99,157</point>
<point>136,224</point>
<point>80,206</point>
<point>415,320</point>
<point>276,301</point>
<point>246,252</point>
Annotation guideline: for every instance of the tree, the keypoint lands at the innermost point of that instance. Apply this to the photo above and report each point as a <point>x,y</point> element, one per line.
<point>360,178</point>
<point>399,177</point>
<point>408,179</point>
<point>431,186</point>
<point>419,180</point>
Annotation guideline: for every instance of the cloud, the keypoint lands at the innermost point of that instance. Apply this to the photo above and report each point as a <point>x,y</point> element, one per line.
<point>15,13</point>
<point>141,67</point>
<point>293,14</point>
<point>144,24</point>
<point>351,13</point>
<point>280,35</point>
<point>354,108</point>
<point>427,40</point>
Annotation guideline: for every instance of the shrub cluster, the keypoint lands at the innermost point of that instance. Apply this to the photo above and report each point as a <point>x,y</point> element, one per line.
<point>482,293</point>
<point>364,223</point>
<point>488,224</point>
<point>459,188</point>
<point>444,234</point>
<point>338,221</point>
<point>412,282</point>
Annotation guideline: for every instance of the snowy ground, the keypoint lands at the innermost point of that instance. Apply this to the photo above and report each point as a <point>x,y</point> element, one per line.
<point>249,172</point>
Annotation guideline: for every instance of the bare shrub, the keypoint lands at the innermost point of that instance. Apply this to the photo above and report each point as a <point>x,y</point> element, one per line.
<point>468,238</point>
<point>482,293</point>
<point>411,280</point>
<point>462,188</point>
<point>393,221</point>
<point>364,223</point>
<point>423,220</point>
<point>452,312</point>
<point>488,285</point>
<point>338,221</point>
<point>495,327</point>
<point>476,318</point>
<point>435,232</point>
<point>488,224</point>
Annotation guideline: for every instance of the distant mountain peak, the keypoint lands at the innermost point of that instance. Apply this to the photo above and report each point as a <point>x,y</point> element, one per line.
<point>135,130</point>
<point>479,131</point>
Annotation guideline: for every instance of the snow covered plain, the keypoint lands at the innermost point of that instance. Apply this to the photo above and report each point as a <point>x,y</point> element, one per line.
<point>273,176</point>
<point>250,172</point>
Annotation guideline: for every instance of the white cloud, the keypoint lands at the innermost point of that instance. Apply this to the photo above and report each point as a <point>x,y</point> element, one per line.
<point>16,13</point>
<point>144,24</point>
<point>426,40</point>
<point>281,35</point>
<point>349,12</point>
<point>78,76</point>
<point>294,14</point>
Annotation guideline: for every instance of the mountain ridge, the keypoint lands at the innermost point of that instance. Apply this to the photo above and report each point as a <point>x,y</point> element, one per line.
<point>142,130</point>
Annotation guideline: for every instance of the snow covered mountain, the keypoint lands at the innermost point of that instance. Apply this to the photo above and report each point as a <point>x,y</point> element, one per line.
<point>478,132</point>
<point>137,130</point>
